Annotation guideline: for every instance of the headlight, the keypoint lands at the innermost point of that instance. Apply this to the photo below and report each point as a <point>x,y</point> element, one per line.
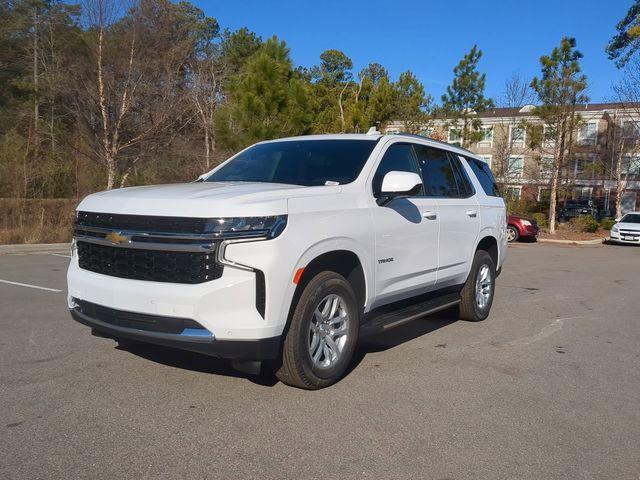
<point>614,229</point>
<point>526,223</point>
<point>247,227</point>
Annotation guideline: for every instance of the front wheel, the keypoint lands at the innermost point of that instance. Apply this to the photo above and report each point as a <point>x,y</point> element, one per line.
<point>322,335</point>
<point>476,296</point>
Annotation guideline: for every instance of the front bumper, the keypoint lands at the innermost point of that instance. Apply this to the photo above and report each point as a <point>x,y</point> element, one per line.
<point>530,231</point>
<point>619,238</point>
<point>260,349</point>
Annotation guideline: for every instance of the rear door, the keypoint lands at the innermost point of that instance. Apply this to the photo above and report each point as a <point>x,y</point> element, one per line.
<point>447,183</point>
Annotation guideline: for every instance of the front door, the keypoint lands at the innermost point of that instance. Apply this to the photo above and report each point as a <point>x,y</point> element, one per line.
<point>406,234</point>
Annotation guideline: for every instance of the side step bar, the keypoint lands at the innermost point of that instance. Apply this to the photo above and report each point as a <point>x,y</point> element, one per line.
<point>384,319</point>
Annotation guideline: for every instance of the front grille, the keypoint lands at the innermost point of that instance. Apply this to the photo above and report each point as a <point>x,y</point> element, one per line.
<point>150,265</point>
<point>139,321</point>
<point>142,223</point>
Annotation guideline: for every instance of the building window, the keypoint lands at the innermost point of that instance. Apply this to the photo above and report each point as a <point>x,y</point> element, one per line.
<point>582,193</point>
<point>631,164</point>
<point>427,132</point>
<point>487,159</point>
<point>515,166</point>
<point>517,135</point>
<point>583,167</point>
<point>513,193</point>
<point>630,129</point>
<point>546,167</point>
<point>487,137</point>
<point>588,133</point>
<point>544,194</point>
<point>455,136</point>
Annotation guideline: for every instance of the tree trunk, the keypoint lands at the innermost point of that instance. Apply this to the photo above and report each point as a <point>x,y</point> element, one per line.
<point>341,107</point>
<point>559,159</point>
<point>621,184</point>
<point>36,100</point>
<point>207,148</point>
<point>553,199</point>
<point>111,171</point>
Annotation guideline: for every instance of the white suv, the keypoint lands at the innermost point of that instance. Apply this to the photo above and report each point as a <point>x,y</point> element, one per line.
<point>291,250</point>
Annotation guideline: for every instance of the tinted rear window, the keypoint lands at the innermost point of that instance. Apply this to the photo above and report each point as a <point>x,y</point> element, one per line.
<point>485,177</point>
<point>298,162</point>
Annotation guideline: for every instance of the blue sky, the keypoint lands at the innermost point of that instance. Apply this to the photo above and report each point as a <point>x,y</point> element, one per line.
<point>430,37</point>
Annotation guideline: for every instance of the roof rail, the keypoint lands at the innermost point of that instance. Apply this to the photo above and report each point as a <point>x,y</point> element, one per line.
<point>413,135</point>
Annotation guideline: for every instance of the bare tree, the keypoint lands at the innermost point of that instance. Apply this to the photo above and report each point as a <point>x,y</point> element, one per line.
<point>136,94</point>
<point>625,124</point>
<point>517,93</point>
<point>207,94</point>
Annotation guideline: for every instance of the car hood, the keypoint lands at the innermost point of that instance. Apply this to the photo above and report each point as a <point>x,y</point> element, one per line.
<point>202,199</point>
<point>628,226</point>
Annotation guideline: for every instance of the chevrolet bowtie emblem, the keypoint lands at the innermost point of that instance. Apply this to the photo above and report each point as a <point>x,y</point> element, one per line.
<point>117,238</point>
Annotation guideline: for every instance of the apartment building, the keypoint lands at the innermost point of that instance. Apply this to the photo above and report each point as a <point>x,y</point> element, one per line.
<point>606,130</point>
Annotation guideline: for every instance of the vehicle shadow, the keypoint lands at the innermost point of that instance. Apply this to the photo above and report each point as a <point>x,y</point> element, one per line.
<point>378,342</point>
<point>196,362</point>
<point>394,337</point>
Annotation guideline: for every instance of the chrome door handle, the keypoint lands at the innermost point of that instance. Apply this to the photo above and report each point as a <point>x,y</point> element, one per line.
<point>472,213</point>
<point>429,215</point>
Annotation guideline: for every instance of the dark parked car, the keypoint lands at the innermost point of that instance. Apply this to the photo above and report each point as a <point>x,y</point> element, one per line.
<point>575,208</point>
<point>521,228</point>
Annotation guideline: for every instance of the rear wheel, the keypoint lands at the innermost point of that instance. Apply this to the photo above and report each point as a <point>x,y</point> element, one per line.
<point>512,233</point>
<point>322,334</point>
<point>477,293</point>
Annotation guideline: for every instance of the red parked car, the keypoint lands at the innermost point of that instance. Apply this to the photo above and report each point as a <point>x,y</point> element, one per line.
<point>521,228</point>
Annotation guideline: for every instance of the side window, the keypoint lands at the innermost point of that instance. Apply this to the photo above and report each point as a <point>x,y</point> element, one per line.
<point>464,184</point>
<point>437,172</point>
<point>398,157</point>
<point>484,176</point>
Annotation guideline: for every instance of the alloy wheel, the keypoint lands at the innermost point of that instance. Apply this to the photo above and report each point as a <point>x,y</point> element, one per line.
<point>483,286</point>
<point>328,331</point>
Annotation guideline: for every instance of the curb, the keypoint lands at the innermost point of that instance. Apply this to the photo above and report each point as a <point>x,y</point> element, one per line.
<point>35,248</point>
<point>597,241</point>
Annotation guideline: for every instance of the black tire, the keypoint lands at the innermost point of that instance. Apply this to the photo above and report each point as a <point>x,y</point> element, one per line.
<point>515,233</point>
<point>297,367</point>
<point>469,308</point>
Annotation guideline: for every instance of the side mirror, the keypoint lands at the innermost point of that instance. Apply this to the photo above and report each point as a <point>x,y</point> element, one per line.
<point>399,185</point>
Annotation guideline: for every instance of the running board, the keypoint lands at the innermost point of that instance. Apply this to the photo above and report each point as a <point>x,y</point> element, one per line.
<point>386,319</point>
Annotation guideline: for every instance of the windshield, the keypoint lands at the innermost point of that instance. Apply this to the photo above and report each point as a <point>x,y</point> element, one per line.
<point>631,218</point>
<point>298,162</point>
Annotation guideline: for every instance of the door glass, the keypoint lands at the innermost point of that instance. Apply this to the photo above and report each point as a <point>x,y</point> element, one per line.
<point>398,158</point>
<point>437,173</point>
<point>464,185</point>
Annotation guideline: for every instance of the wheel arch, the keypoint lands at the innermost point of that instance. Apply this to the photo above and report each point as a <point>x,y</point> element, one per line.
<point>489,244</point>
<point>344,262</point>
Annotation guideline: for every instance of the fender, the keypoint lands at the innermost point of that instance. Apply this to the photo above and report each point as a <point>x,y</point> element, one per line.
<point>326,246</point>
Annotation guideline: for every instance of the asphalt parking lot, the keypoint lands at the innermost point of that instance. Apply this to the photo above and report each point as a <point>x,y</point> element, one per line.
<point>547,387</point>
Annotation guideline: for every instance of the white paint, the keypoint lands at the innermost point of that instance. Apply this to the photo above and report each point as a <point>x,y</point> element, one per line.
<point>60,255</point>
<point>547,331</point>
<point>30,286</point>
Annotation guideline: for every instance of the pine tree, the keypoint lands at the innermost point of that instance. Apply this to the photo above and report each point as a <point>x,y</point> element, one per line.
<point>412,106</point>
<point>268,100</point>
<point>465,97</point>
<point>560,87</point>
<point>627,41</point>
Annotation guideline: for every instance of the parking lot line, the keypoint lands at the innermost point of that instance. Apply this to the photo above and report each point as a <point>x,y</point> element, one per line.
<point>30,286</point>
<point>61,255</point>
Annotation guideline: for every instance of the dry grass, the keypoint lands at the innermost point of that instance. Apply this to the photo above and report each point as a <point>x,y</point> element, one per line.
<point>36,220</point>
